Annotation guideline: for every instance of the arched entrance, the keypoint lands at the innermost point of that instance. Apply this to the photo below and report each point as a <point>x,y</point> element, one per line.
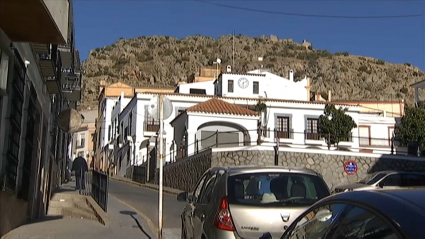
<point>221,134</point>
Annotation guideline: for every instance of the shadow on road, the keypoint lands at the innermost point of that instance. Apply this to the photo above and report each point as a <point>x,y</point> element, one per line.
<point>131,214</point>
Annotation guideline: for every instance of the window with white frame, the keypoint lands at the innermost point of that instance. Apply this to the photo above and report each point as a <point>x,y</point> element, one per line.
<point>256,87</point>
<point>282,127</point>
<point>230,86</point>
<point>364,135</point>
<point>312,129</point>
<point>81,140</point>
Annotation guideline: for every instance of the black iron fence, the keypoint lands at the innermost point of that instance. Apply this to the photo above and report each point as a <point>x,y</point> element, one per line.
<point>96,185</point>
<point>137,173</point>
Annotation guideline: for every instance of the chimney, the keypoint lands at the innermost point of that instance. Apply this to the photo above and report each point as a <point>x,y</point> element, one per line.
<point>291,75</point>
<point>317,97</point>
<point>308,88</point>
<point>229,68</point>
<point>329,95</point>
<point>102,85</point>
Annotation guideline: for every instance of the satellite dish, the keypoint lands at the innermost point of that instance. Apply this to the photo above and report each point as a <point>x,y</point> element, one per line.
<point>153,107</point>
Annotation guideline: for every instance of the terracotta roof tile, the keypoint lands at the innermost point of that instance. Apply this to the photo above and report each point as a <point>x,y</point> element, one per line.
<point>354,104</point>
<point>217,106</point>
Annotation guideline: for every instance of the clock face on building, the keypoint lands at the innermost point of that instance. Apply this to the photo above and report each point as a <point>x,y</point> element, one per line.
<point>243,83</point>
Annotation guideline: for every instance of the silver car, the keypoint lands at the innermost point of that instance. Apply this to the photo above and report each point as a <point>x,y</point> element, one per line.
<point>386,180</point>
<point>246,201</point>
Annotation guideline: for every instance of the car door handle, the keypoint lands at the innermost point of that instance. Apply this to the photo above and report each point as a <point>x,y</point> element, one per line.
<point>202,217</point>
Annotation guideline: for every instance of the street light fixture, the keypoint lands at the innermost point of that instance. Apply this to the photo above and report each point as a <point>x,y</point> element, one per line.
<point>217,62</point>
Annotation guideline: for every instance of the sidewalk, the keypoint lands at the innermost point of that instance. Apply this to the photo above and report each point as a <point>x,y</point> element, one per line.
<point>124,223</point>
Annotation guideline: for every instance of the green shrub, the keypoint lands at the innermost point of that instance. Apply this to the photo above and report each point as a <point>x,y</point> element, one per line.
<point>380,62</point>
<point>404,90</point>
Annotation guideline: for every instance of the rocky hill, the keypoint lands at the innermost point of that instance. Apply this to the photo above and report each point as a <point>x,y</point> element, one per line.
<point>164,61</point>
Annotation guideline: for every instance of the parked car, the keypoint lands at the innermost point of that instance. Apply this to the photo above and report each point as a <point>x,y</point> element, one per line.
<point>244,201</point>
<point>386,180</point>
<point>392,214</point>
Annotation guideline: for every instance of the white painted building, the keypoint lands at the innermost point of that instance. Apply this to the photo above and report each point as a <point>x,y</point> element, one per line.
<point>115,128</point>
<point>289,118</point>
<point>261,83</point>
<point>221,113</point>
<point>201,88</point>
<point>376,132</point>
<point>103,124</point>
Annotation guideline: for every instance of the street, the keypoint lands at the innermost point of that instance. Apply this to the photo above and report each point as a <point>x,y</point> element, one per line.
<point>145,201</point>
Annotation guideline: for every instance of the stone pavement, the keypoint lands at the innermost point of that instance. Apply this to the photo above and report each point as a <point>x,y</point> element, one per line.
<point>124,223</point>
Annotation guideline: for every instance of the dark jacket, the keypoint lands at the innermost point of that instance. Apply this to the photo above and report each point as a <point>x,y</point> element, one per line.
<point>79,165</point>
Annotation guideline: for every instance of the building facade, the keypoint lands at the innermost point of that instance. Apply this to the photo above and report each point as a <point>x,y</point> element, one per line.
<point>82,141</point>
<point>37,58</point>
<point>237,110</point>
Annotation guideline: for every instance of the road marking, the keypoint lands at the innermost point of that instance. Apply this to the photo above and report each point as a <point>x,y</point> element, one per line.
<point>151,225</point>
<point>143,186</point>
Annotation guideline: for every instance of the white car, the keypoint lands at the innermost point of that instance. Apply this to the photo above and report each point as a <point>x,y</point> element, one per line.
<point>386,180</point>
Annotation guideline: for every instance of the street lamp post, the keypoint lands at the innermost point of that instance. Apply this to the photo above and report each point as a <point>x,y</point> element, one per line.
<point>217,62</point>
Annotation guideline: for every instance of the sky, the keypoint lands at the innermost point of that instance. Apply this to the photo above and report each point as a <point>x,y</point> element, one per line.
<point>99,23</point>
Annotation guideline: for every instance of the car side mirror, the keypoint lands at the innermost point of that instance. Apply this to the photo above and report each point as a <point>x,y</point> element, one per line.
<point>381,184</point>
<point>182,197</point>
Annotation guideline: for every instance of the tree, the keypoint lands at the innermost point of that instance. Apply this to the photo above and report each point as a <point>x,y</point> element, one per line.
<point>411,127</point>
<point>335,125</point>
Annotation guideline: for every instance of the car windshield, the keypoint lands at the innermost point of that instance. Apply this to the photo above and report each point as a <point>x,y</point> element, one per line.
<point>266,189</point>
<point>372,178</point>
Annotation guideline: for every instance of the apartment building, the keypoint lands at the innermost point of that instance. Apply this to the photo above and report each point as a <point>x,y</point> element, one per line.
<point>39,78</point>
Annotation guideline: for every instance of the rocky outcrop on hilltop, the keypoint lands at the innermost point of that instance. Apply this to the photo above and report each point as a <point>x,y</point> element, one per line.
<point>164,61</point>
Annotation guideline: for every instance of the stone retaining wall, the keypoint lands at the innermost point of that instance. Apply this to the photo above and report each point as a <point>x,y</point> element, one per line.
<point>331,166</point>
<point>184,174</point>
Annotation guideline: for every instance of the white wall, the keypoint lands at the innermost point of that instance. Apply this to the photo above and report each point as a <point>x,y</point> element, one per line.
<point>208,86</point>
<point>270,86</point>
<point>106,121</point>
<point>380,129</point>
<point>117,108</point>
<point>298,120</point>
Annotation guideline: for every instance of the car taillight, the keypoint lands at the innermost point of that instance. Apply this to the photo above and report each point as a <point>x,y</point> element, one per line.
<point>223,219</point>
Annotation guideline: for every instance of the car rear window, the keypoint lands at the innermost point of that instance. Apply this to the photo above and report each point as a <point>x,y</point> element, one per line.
<point>276,189</point>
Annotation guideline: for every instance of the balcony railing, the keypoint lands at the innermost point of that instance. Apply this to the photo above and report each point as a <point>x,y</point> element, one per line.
<point>151,125</point>
<point>283,134</point>
<point>312,136</point>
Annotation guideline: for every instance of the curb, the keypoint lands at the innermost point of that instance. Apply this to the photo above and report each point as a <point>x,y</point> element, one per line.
<point>168,190</point>
<point>101,215</point>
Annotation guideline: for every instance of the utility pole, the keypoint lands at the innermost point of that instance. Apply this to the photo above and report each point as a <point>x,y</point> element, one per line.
<point>233,50</point>
<point>161,158</point>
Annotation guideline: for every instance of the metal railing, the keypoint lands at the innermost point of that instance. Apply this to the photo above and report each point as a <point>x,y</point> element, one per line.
<point>151,125</point>
<point>96,185</point>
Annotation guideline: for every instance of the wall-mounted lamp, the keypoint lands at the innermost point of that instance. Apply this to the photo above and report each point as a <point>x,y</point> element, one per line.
<point>27,63</point>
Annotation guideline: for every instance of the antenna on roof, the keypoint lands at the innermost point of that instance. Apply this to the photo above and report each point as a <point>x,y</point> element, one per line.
<point>233,49</point>
<point>260,59</point>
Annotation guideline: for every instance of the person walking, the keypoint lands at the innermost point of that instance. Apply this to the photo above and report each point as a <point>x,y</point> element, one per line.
<point>80,167</point>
